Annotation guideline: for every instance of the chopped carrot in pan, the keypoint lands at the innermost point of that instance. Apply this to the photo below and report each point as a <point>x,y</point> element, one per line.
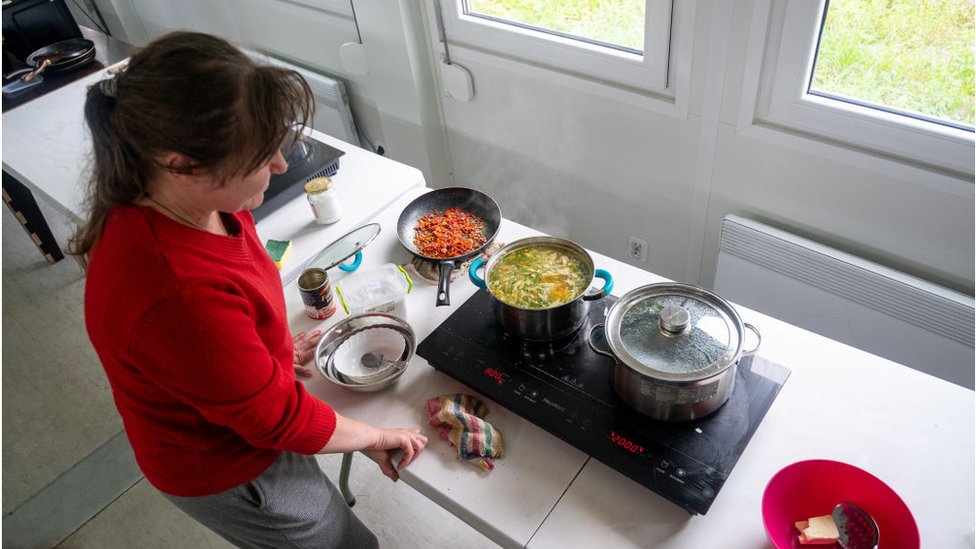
<point>452,233</point>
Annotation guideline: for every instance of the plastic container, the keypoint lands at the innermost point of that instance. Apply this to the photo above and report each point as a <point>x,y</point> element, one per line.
<point>375,290</point>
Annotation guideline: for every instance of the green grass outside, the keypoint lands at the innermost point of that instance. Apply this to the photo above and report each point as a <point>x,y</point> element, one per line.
<point>611,21</point>
<point>914,55</point>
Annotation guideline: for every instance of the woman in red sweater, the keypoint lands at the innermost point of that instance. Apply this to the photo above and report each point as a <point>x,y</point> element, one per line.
<point>186,310</point>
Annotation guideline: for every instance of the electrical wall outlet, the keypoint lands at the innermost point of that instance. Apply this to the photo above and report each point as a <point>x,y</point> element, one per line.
<point>637,248</point>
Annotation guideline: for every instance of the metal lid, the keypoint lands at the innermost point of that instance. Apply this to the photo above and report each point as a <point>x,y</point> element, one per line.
<point>674,332</point>
<point>318,185</point>
<point>344,247</point>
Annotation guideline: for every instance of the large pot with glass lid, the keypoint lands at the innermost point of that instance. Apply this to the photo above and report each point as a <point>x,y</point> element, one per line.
<point>675,349</point>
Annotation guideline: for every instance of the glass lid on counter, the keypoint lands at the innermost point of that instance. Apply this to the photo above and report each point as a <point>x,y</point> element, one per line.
<point>344,247</point>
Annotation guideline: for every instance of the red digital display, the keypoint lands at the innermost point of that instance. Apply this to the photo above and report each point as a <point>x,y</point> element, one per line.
<point>626,444</point>
<point>494,374</point>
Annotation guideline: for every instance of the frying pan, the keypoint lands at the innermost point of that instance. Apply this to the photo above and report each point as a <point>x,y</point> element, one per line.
<point>470,200</point>
<point>59,56</point>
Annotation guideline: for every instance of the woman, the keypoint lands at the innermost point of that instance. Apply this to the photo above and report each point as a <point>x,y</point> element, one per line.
<point>186,309</point>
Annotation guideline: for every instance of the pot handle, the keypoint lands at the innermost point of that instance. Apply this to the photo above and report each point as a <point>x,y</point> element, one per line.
<point>473,273</point>
<point>350,267</point>
<point>758,339</point>
<point>589,341</point>
<point>605,290</point>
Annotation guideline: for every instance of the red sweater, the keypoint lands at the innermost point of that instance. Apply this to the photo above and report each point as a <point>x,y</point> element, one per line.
<point>192,332</point>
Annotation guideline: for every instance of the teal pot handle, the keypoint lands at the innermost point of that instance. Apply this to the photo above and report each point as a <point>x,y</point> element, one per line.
<point>607,286</point>
<point>350,267</point>
<point>473,273</point>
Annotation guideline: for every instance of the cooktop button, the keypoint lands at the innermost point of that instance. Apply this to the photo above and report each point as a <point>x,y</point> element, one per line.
<point>680,472</point>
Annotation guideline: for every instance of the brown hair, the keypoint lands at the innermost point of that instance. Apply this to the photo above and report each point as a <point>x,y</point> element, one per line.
<point>192,94</point>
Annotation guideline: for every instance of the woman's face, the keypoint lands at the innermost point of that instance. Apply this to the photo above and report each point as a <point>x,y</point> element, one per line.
<point>246,192</point>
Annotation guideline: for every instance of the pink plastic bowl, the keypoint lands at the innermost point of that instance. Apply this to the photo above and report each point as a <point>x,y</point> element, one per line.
<point>811,488</point>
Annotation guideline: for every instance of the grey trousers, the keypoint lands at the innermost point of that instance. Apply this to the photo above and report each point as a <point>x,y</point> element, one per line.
<point>291,504</point>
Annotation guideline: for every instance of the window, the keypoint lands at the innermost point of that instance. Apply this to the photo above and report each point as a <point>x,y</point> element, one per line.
<point>622,41</point>
<point>879,75</point>
<point>913,58</point>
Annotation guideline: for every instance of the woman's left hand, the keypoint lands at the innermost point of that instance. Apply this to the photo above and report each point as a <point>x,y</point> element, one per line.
<point>305,343</point>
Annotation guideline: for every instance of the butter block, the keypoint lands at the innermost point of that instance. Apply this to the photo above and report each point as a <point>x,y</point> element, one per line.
<point>279,250</point>
<point>818,531</point>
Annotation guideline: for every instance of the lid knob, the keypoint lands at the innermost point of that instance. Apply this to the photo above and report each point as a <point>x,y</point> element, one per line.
<point>674,320</point>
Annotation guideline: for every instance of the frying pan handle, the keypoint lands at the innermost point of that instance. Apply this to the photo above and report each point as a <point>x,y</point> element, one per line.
<point>444,283</point>
<point>37,70</point>
<point>17,72</point>
<point>350,267</point>
<point>473,273</point>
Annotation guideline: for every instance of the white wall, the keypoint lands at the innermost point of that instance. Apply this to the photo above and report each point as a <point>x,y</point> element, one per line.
<point>597,164</point>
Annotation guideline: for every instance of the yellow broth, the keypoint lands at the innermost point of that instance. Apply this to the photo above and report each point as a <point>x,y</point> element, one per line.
<point>538,277</point>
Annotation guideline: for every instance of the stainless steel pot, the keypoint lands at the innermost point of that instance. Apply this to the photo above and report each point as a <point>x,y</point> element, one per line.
<point>543,324</point>
<point>675,348</point>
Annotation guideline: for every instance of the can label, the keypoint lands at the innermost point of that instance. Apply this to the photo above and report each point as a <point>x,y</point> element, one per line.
<point>316,293</point>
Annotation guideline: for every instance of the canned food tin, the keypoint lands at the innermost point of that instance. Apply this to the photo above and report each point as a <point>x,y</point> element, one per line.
<point>316,293</point>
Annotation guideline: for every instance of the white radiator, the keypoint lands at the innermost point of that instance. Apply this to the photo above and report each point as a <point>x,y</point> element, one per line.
<point>333,115</point>
<point>847,298</point>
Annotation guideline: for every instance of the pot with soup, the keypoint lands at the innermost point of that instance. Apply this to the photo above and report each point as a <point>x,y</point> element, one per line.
<point>541,286</point>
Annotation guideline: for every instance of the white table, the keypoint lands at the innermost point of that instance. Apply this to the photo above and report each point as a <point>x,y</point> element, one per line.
<point>913,431</point>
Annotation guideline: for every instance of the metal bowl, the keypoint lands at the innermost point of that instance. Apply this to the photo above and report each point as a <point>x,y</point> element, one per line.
<point>342,346</point>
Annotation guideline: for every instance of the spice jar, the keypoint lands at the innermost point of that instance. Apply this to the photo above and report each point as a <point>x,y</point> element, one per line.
<point>323,199</point>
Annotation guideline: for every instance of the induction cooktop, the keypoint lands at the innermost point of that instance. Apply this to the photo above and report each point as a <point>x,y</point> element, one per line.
<point>564,387</point>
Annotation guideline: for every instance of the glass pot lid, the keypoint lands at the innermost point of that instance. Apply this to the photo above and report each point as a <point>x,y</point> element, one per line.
<point>345,247</point>
<point>674,332</point>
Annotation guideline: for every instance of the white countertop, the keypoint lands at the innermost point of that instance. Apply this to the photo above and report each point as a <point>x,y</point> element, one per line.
<point>508,504</point>
<point>913,431</point>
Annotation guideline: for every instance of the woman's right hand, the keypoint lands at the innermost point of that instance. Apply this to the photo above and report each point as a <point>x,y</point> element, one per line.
<point>377,443</point>
<point>411,441</point>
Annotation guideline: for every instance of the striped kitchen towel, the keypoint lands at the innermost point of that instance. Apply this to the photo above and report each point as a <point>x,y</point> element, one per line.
<point>461,420</point>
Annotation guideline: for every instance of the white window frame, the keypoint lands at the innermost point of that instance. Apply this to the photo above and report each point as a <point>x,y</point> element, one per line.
<point>793,28</point>
<point>646,72</point>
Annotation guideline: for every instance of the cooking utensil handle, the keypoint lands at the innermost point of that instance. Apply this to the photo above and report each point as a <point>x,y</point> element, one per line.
<point>607,286</point>
<point>350,267</point>
<point>17,72</point>
<point>444,283</point>
<point>589,341</point>
<point>758,338</point>
<point>37,71</point>
<point>473,273</point>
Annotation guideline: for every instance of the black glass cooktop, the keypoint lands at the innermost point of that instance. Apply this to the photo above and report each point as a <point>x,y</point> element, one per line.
<point>565,387</point>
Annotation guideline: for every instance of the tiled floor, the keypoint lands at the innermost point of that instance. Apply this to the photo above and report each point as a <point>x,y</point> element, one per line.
<point>59,422</point>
